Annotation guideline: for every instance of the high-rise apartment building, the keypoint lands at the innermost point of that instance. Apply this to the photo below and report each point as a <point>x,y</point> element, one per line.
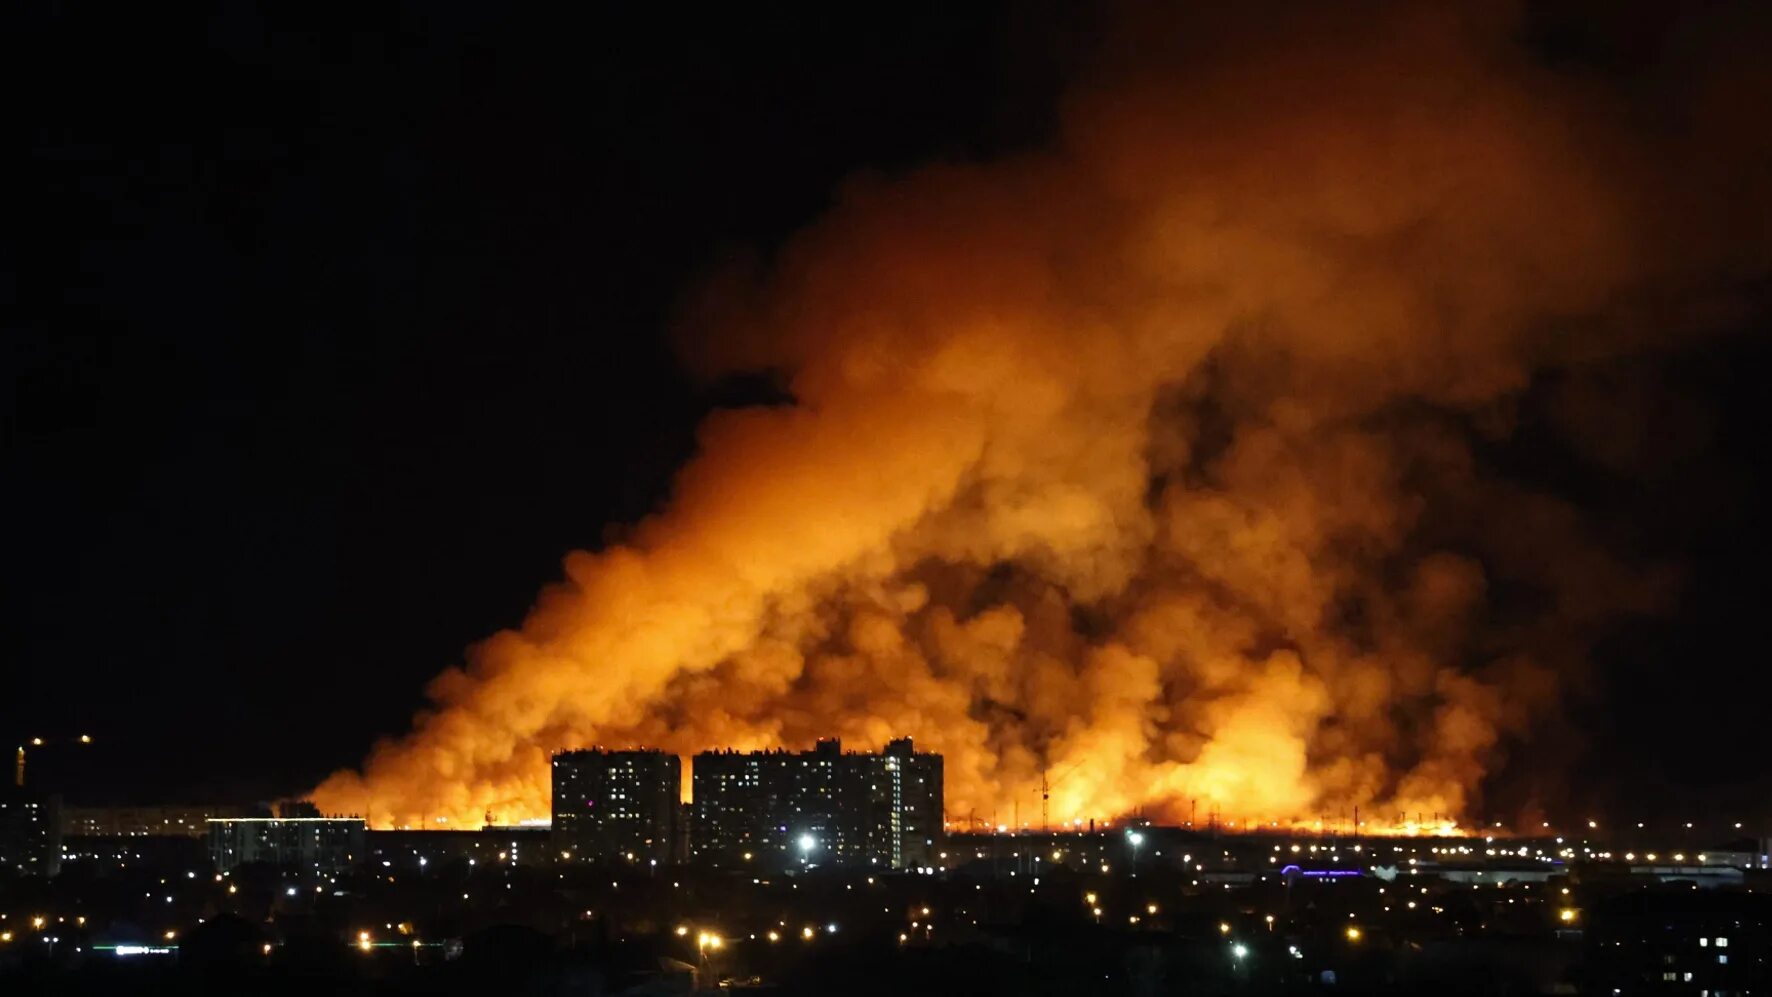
<point>617,806</point>
<point>30,833</point>
<point>824,806</point>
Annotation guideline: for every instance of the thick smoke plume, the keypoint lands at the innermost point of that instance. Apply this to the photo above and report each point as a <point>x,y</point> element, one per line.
<point>1152,462</point>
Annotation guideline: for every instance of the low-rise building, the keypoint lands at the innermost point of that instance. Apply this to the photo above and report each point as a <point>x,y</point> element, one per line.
<point>168,820</point>
<point>321,845</point>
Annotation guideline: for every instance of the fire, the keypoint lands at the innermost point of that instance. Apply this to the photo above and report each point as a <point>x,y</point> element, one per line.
<point>1144,467</point>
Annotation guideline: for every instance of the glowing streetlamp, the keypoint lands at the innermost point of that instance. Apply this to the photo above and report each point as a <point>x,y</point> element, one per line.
<point>1135,838</point>
<point>807,844</point>
<point>705,942</point>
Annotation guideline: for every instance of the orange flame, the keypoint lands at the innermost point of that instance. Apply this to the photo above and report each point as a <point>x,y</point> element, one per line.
<point>1143,465</point>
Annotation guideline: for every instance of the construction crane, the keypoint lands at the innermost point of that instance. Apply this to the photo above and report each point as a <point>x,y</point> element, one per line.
<point>1046,792</point>
<point>18,771</point>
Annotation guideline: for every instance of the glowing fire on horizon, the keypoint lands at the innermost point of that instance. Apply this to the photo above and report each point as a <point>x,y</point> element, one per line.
<point>1150,465</point>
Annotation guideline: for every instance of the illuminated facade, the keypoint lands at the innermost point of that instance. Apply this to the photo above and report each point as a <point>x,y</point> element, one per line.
<point>617,806</point>
<point>142,822</point>
<point>30,833</point>
<point>311,844</point>
<point>919,802</point>
<point>419,851</point>
<point>786,809</point>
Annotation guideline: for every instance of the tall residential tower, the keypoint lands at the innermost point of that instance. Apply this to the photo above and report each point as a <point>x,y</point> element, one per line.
<point>824,806</point>
<point>617,806</point>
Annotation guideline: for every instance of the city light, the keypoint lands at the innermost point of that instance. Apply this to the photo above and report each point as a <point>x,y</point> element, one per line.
<point>1353,933</point>
<point>1239,950</point>
<point>1567,914</point>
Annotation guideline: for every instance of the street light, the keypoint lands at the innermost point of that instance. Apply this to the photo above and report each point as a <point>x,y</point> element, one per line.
<point>1136,839</point>
<point>807,844</point>
<point>705,942</point>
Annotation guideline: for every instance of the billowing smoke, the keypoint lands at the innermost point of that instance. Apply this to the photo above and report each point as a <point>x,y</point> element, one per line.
<point>1153,462</point>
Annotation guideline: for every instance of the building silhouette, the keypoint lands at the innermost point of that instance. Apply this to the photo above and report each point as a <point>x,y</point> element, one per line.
<point>781,809</point>
<point>617,806</point>
<point>30,832</point>
<point>312,844</point>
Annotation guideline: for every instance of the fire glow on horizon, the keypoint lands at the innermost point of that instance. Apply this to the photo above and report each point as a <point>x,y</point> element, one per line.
<point>1147,466</point>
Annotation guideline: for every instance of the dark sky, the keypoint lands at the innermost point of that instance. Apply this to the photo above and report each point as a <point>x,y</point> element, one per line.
<point>335,331</point>
<point>328,333</point>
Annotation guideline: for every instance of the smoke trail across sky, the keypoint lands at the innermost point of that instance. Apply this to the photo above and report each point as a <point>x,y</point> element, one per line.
<point>1153,460</point>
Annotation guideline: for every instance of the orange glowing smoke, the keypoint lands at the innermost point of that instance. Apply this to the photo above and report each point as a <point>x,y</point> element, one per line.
<point>1146,461</point>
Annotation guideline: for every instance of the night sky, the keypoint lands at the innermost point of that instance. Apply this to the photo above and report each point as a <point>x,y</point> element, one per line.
<point>329,333</point>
